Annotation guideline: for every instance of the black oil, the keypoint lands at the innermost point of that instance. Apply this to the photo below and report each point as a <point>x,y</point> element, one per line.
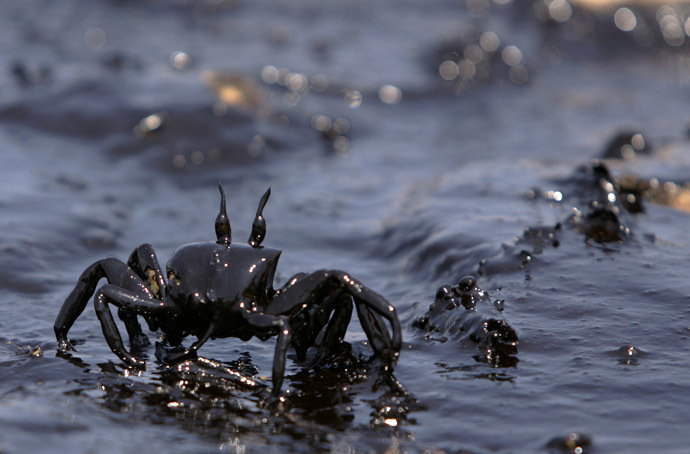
<point>539,147</point>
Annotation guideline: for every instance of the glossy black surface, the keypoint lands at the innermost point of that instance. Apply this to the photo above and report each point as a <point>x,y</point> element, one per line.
<point>225,289</point>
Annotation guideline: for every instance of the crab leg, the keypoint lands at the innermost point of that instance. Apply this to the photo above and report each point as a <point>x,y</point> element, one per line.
<point>337,325</point>
<point>115,272</point>
<point>123,299</point>
<point>191,351</point>
<point>375,328</point>
<point>318,286</point>
<point>265,324</point>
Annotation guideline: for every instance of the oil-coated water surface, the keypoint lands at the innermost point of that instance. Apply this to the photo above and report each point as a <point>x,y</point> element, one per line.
<point>510,175</point>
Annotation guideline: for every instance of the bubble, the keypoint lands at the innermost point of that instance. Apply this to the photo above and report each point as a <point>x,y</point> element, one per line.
<point>319,82</point>
<point>151,122</point>
<point>638,141</point>
<point>197,157</point>
<point>341,125</point>
<point>297,82</point>
<point>148,124</point>
<point>663,12</point>
<point>94,38</point>
<point>473,53</point>
<point>341,144</point>
<point>552,53</point>
<point>321,123</point>
<point>254,149</point>
<point>556,196</point>
<point>483,71</point>
<point>390,94</point>
<point>220,108</point>
<point>560,10</point>
<point>257,146</point>
<point>448,70</point>
<point>489,41</point>
<point>628,152</point>
<point>467,283</point>
<point>291,98</point>
<point>467,69</point>
<point>282,76</point>
<point>179,161</point>
<point>673,34</point>
<point>511,55</point>
<point>478,7</point>
<point>180,60</point>
<point>625,19</point>
<point>669,23</point>
<point>353,98</point>
<point>269,74</point>
<point>518,75</point>
<point>670,186</point>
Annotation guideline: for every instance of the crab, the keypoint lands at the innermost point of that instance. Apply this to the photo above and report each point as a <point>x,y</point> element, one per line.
<point>223,289</point>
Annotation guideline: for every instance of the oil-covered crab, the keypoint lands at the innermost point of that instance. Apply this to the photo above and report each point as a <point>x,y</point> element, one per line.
<point>223,289</point>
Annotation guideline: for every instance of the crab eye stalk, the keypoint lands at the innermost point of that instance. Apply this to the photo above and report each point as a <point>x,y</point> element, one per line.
<point>223,232</point>
<point>259,224</point>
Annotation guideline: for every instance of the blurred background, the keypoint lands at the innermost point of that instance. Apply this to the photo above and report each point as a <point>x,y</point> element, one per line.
<point>408,143</point>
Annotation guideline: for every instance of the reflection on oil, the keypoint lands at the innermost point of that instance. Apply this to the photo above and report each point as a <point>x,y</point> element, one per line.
<point>228,401</point>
